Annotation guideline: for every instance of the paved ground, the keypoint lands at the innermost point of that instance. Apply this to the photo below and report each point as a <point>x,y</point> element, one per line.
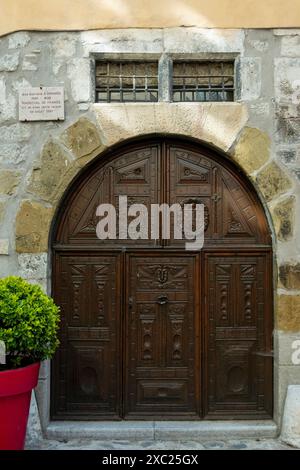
<point>82,444</point>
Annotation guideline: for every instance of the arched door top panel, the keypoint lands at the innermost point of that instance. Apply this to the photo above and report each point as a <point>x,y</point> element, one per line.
<point>166,171</point>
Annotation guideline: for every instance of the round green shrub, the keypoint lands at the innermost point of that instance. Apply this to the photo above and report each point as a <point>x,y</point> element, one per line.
<point>28,322</point>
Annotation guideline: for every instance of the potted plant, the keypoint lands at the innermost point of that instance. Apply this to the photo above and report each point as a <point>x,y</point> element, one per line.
<point>28,331</point>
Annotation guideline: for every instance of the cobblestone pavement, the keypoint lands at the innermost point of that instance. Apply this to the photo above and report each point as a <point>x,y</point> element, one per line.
<point>87,444</point>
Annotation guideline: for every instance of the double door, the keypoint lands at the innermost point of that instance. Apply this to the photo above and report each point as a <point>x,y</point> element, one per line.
<point>150,330</point>
<point>163,336</point>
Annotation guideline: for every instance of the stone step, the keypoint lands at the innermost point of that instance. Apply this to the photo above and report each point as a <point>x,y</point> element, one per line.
<point>172,430</point>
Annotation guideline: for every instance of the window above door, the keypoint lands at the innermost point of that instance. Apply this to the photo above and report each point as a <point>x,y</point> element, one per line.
<point>164,78</point>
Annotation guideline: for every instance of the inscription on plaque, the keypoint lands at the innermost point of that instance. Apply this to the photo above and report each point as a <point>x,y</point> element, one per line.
<point>41,104</point>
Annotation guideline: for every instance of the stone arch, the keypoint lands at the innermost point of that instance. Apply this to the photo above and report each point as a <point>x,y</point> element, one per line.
<point>220,125</point>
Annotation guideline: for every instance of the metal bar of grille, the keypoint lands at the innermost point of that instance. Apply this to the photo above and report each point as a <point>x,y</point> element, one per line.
<point>126,81</point>
<point>204,81</point>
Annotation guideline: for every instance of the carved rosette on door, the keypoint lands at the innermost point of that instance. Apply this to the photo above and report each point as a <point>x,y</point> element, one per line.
<point>150,330</point>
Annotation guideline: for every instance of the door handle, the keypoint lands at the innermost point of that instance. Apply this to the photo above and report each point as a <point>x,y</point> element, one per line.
<point>162,300</point>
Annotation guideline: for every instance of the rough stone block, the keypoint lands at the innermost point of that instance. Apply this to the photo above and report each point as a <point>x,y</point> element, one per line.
<point>288,155</point>
<point>288,130</point>
<point>250,72</point>
<point>8,108</point>
<point>64,45</point>
<point>290,46</point>
<point>46,177</point>
<point>33,266</point>
<point>18,40</point>
<point>272,181</point>
<point>290,432</point>
<point>283,218</point>
<point>286,31</point>
<point>258,45</point>
<point>4,247</point>
<point>13,154</point>
<point>79,73</point>
<point>252,150</point>
<point>191,40</point>
<point>122,41</point>
<point>32,227</point>
<point>15,133</point>
<point>9,62</point>
<point>20,83</point>
<point>82,138</point>
<point>288,313</point>
<point>287,81</point>
<point>289,275</point>
<point>30,62</point>
<point>260,109</point>
<point>9,181</point>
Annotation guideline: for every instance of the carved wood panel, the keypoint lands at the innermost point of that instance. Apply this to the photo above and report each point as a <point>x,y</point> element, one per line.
<point>134,175</point>
<point>87,368</point>
<point>163,172</point>
<point>239,357</point>
<point>160,342</point>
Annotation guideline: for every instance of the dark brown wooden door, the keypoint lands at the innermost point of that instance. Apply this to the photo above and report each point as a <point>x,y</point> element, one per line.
<point>150,330</point>
<point>161,337</point>
<point>89,371</point>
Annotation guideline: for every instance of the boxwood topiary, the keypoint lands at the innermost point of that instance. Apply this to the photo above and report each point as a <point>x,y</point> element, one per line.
<point>28,322</point>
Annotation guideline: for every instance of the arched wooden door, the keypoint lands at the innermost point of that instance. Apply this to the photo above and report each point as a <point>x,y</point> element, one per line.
<point>150,330</point>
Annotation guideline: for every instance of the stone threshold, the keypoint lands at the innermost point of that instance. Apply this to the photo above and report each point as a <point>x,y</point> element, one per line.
<point>161,430</point>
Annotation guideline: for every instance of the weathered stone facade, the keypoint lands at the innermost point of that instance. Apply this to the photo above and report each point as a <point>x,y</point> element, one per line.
<point>260,132</point>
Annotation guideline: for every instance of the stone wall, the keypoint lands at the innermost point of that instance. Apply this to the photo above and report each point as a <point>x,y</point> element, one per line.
<point>260,131</point>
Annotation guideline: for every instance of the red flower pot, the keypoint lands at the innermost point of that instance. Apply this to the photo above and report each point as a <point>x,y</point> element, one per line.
<point>15,393</point>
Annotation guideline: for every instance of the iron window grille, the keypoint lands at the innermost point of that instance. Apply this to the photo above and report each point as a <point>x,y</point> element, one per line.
<point>203,81</point>
<point>126,81</point>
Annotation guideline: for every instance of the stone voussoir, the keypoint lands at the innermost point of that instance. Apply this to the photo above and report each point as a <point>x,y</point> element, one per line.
<point>218,124</point>
<point>273,181</point>
<point>252,150</point>
<point>82,138</point>
<point>46,177</point>
<point>283,218</point>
